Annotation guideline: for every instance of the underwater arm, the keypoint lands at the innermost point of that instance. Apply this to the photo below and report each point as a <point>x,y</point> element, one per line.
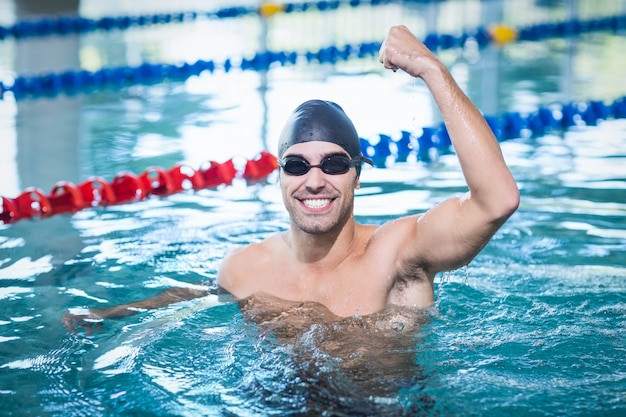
<point>92,318</point>
<point>453,232</point>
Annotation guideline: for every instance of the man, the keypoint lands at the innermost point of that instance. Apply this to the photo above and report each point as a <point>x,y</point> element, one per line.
<point>350,268</point>
<point>325,256</point>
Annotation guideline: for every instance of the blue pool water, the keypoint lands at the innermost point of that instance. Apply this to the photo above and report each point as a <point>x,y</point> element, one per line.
<point>535,325</point>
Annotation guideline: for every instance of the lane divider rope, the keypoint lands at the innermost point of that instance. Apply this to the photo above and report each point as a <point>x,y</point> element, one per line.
<point>126,187</point>
<point>73,82</point>
<point>65,25</point>
<point>505,126</point>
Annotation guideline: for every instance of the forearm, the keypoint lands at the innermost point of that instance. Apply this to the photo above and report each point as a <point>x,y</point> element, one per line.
<point>92,319</point>
<point>491,185</point>
<point>167,297</point>
<point>474,143</point>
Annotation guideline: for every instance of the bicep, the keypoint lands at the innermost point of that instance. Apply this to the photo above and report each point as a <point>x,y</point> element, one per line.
<point>455,231</point>
<point>450,234</point>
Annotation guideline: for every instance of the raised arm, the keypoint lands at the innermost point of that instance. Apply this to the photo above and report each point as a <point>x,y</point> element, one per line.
<point>453,232</point>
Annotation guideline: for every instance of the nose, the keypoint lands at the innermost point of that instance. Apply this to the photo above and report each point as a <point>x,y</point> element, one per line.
<point>315,180</point>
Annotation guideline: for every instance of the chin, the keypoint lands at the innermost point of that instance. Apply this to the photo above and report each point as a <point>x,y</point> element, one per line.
<point>317,229</point>
<point>314,228</point>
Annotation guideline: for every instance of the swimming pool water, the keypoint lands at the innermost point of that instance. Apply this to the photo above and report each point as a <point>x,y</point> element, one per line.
<point>535,325</point>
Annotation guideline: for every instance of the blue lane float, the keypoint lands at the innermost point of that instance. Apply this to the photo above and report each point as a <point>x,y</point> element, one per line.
<point>65,25</point>
<point>73,82</point>
<point>433,141</point>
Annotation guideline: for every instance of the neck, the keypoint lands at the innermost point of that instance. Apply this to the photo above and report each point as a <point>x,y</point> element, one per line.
<point>326,248</point>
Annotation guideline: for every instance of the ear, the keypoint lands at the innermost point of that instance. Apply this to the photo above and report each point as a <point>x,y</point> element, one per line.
<point>357,183</point>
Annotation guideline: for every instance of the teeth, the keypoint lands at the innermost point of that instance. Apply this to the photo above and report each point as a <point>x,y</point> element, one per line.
<point>316,203</point>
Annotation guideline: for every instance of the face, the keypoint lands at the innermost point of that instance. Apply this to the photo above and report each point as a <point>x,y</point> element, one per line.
<point>317,202</point>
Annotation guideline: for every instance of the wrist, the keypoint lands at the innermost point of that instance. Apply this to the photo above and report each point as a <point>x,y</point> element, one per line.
<point>432,71</point>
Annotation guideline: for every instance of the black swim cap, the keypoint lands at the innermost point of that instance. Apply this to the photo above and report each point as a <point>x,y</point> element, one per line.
<point>320,120</point>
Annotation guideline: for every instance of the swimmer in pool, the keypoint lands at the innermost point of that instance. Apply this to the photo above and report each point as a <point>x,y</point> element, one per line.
<point>326,257</point>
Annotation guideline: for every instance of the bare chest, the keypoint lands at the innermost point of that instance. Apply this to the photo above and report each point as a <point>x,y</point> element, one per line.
<point>348,289</point>
<point>364,282</point>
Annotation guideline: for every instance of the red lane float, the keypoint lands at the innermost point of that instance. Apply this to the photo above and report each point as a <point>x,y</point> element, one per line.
<point>96,192</point>
<point>126,187</point>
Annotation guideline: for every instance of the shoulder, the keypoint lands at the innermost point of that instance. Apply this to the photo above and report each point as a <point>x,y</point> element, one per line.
<point>396,232</point>
<point>400,243</point>
<point>241,266</point>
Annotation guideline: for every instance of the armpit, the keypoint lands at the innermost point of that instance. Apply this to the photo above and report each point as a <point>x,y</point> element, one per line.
<point>410,273</point>
<point>412,287</point>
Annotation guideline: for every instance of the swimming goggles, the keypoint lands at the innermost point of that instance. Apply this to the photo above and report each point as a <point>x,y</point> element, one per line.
<point>333,165</point>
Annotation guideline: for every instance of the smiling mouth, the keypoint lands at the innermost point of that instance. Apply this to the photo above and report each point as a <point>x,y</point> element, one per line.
<point>316,203</point>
